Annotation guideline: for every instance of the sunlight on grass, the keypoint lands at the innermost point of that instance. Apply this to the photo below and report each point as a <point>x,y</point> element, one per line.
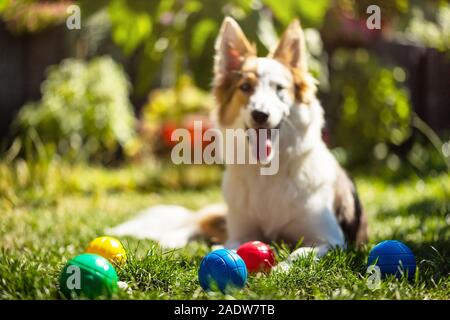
<point>43,227</point>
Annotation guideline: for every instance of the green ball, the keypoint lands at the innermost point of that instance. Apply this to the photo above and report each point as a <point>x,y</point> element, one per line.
<point>88,275</point>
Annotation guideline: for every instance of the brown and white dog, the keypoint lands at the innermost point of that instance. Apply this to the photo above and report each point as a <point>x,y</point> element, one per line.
<point>310,197</point>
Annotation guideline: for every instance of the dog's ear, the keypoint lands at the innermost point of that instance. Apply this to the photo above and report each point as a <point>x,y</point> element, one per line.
<point>291,49</point>
<point>232,47</point>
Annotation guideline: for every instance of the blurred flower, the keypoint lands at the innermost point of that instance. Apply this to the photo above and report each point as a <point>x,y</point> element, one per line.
<point>25,16</point>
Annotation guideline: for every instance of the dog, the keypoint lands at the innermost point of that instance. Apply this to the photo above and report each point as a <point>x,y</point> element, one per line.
<point>310,199</point>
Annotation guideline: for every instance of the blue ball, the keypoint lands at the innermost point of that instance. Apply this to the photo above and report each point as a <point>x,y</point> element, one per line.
<point>391,256</point>
<point>222,269</point>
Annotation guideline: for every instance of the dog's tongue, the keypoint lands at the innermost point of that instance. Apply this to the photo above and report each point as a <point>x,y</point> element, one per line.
<point>264,142</point>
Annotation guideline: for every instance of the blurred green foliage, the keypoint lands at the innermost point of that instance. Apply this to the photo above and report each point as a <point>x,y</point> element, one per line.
<point>434,33</point>
<point>84,112</point>
<point>135,26</point>
<point>370,104</point>
<point>3,5</point>
<point>44,182</point>
<point>358,8</point>
<point>171,108</point>
<point>310,12</point>
<point>169,45</point>
<point>171,38</point>
<point>31,15</point>
<point>174,104</point>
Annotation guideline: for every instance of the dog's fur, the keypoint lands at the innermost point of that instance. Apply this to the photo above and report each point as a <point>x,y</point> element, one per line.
<point>311,197</point>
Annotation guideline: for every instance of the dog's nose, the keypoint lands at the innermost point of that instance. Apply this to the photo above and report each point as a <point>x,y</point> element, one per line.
<point>259,117</point>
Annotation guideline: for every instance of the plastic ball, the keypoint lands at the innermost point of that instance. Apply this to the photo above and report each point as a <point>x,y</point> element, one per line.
<point>257,256</point>
<point>109,248</point>
<point>88,275</point>
<point>222,269</point>
<point>393,257</point>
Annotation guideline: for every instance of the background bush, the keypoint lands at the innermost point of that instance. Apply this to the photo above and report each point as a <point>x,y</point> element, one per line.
<point>84,112</point>
<point>369,104</point>
<point>167,49</point>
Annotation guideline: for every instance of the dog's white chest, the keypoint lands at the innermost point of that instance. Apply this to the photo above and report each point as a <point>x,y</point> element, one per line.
<point>286,206</point>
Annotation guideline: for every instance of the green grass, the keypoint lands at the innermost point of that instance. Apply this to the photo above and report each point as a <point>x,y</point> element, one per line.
<point>43,226</point>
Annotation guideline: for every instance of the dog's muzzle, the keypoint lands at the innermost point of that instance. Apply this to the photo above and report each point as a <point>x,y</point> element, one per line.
<point>261,140</point>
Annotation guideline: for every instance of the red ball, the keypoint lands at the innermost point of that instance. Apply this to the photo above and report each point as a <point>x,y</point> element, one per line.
<point>257,256</point>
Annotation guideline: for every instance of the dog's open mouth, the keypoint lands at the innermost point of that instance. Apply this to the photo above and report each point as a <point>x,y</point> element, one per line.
<point>262,142</point>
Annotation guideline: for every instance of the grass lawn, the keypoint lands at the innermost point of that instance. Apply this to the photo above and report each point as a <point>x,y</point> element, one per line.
<point>41,229</point>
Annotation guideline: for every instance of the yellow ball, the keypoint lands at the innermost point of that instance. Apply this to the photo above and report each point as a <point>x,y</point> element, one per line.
<point>109,248</point>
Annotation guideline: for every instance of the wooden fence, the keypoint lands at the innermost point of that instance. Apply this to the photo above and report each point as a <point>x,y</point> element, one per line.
<point>23,61</point>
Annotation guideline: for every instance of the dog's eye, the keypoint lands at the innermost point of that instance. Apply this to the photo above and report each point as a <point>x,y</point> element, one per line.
<point>279,87</point>
<point>245,87</point>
